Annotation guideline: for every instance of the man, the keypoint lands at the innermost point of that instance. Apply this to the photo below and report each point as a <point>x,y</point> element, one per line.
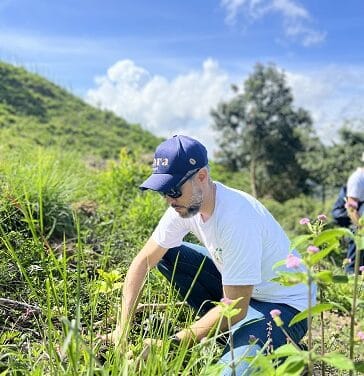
<point>242,242</point>
<point>355,199</point>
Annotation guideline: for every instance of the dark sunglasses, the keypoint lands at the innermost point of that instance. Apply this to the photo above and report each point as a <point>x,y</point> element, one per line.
<point>176,191</point>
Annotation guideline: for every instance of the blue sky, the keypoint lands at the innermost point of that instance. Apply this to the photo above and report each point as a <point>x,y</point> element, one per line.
<point>165,64</point>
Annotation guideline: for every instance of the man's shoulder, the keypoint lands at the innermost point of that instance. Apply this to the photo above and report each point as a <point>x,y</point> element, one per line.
<point>356,177</point>
<point>232,202</point>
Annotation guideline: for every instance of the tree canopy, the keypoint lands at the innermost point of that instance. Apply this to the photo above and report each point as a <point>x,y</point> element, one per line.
<point>259,129</point>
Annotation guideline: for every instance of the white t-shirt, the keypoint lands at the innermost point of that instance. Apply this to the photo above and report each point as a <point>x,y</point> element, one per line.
<point>355,187</point>
<point>244,242</point>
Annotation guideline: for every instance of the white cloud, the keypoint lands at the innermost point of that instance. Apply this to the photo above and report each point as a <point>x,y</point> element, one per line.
<point>165,107</point>
<point>290,9</point>
<point>332,94</point>
<point>182,104</point>
<point>296,19</point>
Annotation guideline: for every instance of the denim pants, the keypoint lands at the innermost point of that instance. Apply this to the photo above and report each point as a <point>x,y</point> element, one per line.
<point>351,255</point>
<point>190,266</point>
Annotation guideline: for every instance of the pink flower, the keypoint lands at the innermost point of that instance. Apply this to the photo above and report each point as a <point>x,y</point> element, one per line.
<point>360,335</point>
<point>276,316</point>
<point>322,217</point>
<point>292,261</point>
<point>275,312</point>
<point>312,249</point>
<point>361,268</point>
<point>225,300</point>
<point>252,339</point>
<point>304,221</point>
<point>351,205</point>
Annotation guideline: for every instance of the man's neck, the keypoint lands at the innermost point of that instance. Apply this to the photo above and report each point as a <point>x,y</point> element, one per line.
<point>208,206</point>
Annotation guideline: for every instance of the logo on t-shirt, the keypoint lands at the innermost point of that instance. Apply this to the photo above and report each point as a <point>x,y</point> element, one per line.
<point>217,254</point>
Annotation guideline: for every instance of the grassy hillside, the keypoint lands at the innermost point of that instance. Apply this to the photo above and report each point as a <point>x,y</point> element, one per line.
<point>34,110</point>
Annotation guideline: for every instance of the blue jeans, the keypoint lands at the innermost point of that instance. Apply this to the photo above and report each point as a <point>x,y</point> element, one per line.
<point>351,254</point>
<point>190,266</point>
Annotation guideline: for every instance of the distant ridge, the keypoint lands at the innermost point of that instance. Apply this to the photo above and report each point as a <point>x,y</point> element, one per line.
<point>35,111</point>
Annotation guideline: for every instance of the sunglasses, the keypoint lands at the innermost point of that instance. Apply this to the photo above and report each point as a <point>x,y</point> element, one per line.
<point>176,191</point>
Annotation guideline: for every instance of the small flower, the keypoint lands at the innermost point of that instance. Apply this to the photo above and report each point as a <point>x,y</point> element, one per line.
<point>304,221</point>
<point>275,312</point>
<point>276,316</point>
<point>360,335</point>
<point>312,249</point>
<point>351,205</point>
<point>292,261</point>
<point>252,339</point>
<point>361,268</point>
<point>225,300</point>
<point>322,217</point>
<point>346,261</point>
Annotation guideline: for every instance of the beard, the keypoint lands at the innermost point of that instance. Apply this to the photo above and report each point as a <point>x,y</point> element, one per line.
<point>194,206</point>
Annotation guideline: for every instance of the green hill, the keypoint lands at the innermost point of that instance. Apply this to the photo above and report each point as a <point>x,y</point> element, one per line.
<point>34,110</point>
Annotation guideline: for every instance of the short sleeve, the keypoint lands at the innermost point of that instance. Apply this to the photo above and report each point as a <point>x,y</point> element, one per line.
<point>170,230</point>
<point>355,186</point>
<point>242,249</point>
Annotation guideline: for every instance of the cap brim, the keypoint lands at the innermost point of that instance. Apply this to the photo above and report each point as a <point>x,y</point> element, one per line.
<point>161,182</point>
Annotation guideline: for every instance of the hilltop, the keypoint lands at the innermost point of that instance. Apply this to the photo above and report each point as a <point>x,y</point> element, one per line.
<point>35,111</point>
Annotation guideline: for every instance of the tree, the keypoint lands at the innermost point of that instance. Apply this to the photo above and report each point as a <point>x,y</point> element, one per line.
<point>344,156</point>
<point>260,130</point>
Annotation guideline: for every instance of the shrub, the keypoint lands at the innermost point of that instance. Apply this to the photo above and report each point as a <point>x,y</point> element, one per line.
<point>37,190</point>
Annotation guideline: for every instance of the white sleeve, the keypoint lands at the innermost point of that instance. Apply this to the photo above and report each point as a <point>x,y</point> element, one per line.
<point>353,188</point>
<point>170,230</point>
<point>242,254</point>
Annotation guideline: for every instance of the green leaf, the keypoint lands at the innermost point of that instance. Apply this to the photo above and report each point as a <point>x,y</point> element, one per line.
<point>323,276</point>
<point>278,264</point>
<point>332,236</point>
<point>284,351</point>
<point>290,278</point>
<point>338,360</point>
<point>359,241</point>
<point>315,258</point>
<point>340,307</point>
<point>340,278</point>
<point>359,366</point>
<point>299,241</point>
<point>294,365</point>
<point>314,311</point>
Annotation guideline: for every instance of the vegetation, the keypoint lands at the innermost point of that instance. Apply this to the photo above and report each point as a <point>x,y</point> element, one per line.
<point>33,110</point>
<point>69,228</point>
<point>262,134</point>
<point>261,130</point>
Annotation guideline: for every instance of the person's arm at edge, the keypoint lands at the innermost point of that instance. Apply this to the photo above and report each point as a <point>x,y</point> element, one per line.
<point>145,260</point>
<point>202,327</point>
<point>352,210</point>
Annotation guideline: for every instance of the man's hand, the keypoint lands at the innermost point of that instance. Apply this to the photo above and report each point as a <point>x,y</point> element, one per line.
<point>148,344</point>
<point>115,338</point>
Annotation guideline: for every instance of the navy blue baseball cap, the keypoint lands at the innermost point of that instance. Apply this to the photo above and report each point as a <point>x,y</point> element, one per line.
<point>173,160</point>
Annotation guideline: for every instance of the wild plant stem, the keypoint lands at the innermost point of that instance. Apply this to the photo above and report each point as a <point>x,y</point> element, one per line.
<point>231,342</point>
<point>322,334</point>
<point>355,293</point>
<point>309,325</point>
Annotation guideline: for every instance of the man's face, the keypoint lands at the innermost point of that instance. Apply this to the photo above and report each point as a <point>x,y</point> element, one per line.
<point>190,202</point>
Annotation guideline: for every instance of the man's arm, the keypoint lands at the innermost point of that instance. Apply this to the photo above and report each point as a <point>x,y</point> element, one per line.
<point>146,259</point>
<point>352,206</point>
<point>202,327</point>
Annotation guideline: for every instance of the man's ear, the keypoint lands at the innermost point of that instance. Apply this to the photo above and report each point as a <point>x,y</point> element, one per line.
<point>203,175</point>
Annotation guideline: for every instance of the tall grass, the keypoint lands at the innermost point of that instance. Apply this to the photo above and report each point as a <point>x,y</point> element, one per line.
<point>68,266</point>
